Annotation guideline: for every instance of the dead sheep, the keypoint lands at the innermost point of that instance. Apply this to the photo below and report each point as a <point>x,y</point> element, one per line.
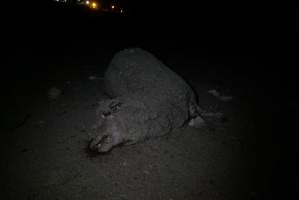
<point>147,100</point>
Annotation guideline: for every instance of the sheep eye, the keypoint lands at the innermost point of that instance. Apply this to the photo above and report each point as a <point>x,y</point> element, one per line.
<point>107,113</point>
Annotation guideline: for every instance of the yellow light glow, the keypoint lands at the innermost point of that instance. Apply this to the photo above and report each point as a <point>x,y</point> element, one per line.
<point>112,6</point>
<point>94,5</point>
<point>87,2</point>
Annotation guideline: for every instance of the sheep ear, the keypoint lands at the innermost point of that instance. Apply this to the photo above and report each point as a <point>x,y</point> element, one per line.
<point>115,106</point>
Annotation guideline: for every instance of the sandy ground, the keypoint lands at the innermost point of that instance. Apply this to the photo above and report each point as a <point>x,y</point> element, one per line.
<point>44,141</point>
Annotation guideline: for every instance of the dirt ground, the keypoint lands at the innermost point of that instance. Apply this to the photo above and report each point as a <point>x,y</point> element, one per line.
<point>44,140</point>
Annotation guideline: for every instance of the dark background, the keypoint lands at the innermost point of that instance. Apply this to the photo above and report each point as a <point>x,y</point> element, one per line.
<point>34,31</point>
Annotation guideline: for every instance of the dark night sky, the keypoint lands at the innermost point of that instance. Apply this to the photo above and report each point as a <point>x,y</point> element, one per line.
<point>223,26</point>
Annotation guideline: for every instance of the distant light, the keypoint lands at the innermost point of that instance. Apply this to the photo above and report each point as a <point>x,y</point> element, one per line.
<point>87,2</point>
<point>121,11</point>
<point>112,6</point>
<point>94,5</point>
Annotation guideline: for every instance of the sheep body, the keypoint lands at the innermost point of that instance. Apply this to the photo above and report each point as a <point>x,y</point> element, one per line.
<point>147,99</point>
